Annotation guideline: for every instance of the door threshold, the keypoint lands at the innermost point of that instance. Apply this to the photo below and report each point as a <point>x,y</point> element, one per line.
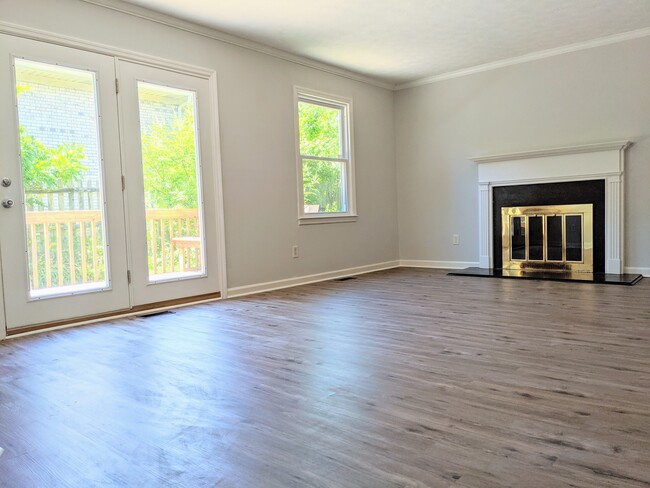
<point>116,314</point>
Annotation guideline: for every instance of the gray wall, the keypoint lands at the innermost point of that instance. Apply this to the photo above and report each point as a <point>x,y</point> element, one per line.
<point>590,96</point>
<point>597,95</point>
<point>257,134</point>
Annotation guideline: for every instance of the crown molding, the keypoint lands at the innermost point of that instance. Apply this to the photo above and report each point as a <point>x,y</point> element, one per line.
<point>76,43</point>
<point>210,33</point>
<point>548,53</point>
<point>585,148</point>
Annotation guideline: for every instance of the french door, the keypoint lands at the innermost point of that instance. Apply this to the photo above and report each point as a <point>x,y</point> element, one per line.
<point>63,241</point>
<point>167,134</point>
<point>107,199</point>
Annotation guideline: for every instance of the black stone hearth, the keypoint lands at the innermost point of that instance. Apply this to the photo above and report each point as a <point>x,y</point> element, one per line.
<point>600,278</point>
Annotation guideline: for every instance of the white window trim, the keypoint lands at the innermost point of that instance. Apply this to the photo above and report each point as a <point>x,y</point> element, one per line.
<point>308,95</point>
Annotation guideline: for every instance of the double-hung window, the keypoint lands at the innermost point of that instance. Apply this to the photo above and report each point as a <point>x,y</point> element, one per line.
<point>325,162</point>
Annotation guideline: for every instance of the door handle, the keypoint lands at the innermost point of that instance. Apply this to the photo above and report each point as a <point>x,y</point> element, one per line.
<point>7,203</point>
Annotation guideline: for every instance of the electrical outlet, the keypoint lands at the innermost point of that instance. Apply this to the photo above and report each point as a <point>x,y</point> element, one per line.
<point>455,240</point>
<point>294,251</point>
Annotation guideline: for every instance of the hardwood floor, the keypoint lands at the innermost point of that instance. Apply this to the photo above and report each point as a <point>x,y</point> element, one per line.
<point>402,378</point>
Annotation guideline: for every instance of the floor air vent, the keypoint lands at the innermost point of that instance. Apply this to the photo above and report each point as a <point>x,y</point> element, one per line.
<point>153,314</point>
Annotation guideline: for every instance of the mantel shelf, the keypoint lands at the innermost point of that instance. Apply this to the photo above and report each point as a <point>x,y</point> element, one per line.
<point>558,151</point>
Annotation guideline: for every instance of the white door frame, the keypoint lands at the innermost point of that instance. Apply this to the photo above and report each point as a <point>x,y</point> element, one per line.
<point>3,323</point>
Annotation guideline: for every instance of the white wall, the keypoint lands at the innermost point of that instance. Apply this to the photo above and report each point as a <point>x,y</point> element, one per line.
<point>596,95</point>
<point>259,169</point>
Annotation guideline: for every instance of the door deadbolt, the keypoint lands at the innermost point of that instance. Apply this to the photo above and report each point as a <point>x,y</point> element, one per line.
<point>7,203</point>
<point>6,181</point>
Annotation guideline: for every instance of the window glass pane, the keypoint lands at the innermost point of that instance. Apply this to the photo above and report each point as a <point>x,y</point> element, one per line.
<point>554,238</point>
<point>323,186</point>
<point>573,237</point>
<point>535,238</point>
<point>62,178</point>
<point>320,130</point>
<point>518,238</point>
<point>171,181</point>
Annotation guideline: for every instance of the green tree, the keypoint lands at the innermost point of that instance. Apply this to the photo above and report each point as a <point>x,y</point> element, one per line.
<point>169,162</point>
<point>319,129</point>
<point>46,168</point>
<point>322,184</point>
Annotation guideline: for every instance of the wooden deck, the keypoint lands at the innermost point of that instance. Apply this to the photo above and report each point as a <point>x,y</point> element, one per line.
<point>402,378</point>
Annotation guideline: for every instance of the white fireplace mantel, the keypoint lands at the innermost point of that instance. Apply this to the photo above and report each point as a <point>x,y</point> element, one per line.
<point>604,161</point>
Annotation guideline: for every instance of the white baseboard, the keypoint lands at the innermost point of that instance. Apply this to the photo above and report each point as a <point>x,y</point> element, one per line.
<point>641,271</point>
<point>239,291</point>
<point>341,273</point>
<point>418,263</point>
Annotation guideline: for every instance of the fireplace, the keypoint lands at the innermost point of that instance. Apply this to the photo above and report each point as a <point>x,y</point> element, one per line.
<point>549,226</point>
<point>558,209</point>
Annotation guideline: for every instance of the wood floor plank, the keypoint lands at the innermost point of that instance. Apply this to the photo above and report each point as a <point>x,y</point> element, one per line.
<point>400,378</point>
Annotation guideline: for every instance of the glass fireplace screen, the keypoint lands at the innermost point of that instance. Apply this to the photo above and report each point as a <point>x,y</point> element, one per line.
<point>548,238</point>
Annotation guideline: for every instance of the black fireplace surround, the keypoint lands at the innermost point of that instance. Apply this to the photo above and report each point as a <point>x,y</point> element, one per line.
<point>569,193</point>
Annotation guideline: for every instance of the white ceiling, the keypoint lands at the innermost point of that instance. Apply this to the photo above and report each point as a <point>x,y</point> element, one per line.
<point>399,41</point>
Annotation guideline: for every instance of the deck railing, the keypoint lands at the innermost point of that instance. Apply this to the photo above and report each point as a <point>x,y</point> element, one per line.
<point>169,230</point>
<point>66,247</point>
<point>82,198</point>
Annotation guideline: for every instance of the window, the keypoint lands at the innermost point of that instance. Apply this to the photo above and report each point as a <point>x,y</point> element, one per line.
<point>325,163</point>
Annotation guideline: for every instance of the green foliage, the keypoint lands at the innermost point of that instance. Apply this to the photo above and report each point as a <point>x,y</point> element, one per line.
<point>169,162</point>
<point>320,136</point>
<point>322,184</point>
<point>319,130</point>
<point>46,168</point>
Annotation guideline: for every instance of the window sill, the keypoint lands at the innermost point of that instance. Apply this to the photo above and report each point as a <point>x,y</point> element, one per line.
<point>327,219</point>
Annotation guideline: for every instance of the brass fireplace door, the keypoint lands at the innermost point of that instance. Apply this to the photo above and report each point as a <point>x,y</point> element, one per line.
<point>548,238</point>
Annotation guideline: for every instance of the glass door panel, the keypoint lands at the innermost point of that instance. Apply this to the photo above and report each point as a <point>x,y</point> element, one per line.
<point>171,180</point>
<point>518,238</point>
<point>536,238</point>
<point>554,237</point>
<point>573,233</point>
<point>62,178</point>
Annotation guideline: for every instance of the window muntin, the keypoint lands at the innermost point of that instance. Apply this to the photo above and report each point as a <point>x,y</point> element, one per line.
<point>324,156</point>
